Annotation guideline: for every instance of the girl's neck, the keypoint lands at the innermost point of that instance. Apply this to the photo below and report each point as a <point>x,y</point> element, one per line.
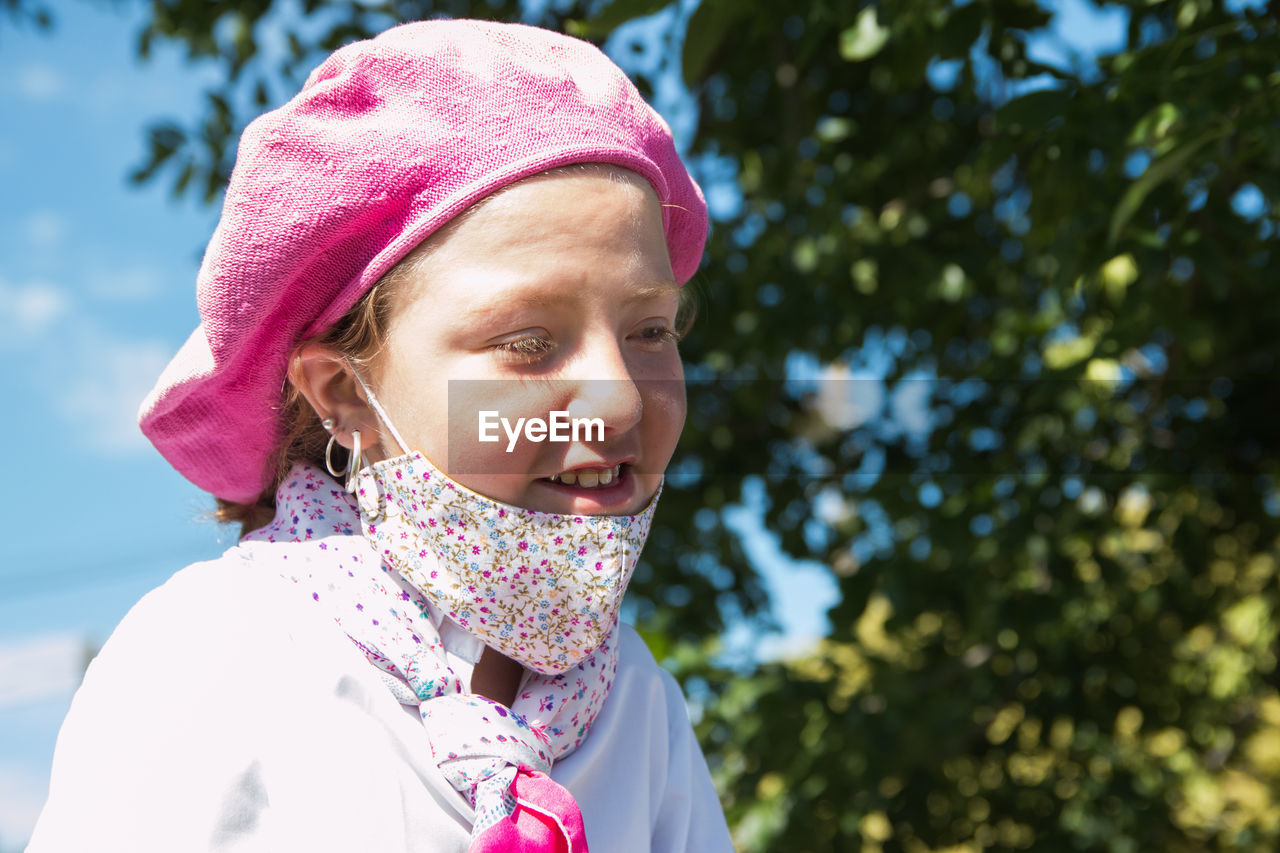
<point>496,677</point>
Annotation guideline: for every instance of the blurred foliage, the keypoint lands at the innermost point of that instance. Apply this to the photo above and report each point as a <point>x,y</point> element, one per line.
<point>27,12</point>
<point>1058,587</point>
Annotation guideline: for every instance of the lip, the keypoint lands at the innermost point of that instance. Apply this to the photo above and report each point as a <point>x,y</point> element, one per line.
<point>599,500</point>
<point>605,463</point>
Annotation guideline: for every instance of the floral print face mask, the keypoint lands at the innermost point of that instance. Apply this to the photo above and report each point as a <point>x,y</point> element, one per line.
<point>544,589</point>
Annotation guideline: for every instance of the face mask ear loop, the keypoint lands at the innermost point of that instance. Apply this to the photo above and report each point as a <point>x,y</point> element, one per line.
<point>382,415</point>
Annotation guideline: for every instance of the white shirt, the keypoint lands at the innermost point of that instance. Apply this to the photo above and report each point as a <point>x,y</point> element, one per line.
<point>226,714</point>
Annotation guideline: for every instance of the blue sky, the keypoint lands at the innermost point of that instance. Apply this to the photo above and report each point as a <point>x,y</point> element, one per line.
<point>96,292</point>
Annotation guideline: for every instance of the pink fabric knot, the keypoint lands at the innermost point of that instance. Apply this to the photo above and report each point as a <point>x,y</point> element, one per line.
<point>546,819</point>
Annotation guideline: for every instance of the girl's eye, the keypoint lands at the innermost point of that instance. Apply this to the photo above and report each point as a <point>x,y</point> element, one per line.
<point>658,335</point>
<point>526,349</point>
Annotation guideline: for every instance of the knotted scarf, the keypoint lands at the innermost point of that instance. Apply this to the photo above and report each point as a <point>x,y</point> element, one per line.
<point>498,758</point>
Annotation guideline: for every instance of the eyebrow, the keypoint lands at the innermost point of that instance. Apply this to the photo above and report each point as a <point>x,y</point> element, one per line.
<point>541,299</point>
<point>651,291</point>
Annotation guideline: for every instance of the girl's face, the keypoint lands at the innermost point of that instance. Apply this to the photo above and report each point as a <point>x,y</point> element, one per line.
<point>555,296</point>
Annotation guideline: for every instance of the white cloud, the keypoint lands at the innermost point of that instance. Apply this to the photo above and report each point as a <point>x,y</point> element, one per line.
<point>39,82</point>
<point>115,375</point>
<point>29,310</point>
<point>132,284</point>
<point>92,376</point>
<point>44,228</point>
<point>40,668</point>
<point>22,795</point>
<point>38,676</point>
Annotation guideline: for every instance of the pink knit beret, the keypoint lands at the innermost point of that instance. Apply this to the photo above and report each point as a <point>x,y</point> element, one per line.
<point>389,139</point>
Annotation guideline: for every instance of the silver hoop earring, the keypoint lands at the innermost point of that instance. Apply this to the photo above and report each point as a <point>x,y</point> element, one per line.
<point>353,466</point>
<point>328,456</point>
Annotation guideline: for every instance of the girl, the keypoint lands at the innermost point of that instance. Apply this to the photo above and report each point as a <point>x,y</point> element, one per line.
<point>416,646</point>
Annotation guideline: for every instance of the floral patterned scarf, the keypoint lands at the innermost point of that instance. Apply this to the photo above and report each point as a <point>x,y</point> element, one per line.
<point>498,758</point>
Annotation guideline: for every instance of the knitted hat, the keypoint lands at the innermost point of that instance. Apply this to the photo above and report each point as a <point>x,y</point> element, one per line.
<point>389,139</point>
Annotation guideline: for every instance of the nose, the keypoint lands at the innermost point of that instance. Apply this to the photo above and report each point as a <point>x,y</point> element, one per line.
<point>606,388</point>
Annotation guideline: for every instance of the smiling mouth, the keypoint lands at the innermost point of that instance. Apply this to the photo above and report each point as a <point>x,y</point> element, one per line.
<point>590,478</point>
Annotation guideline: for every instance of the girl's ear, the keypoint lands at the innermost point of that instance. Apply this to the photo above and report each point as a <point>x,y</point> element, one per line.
<point>326,379</point>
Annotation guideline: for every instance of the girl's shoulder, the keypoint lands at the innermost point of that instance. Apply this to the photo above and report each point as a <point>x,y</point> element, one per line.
<point>221,640</point>
<point>640,777</point>
<point>227,708</point>
<point>638,667</point>
<point>210,608</point>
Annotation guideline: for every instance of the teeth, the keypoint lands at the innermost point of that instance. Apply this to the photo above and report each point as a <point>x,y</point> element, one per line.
<point>588,478</point>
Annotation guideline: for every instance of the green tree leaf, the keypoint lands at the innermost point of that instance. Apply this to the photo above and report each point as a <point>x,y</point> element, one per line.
<point>865,38</point>
<point>1157,173</point>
